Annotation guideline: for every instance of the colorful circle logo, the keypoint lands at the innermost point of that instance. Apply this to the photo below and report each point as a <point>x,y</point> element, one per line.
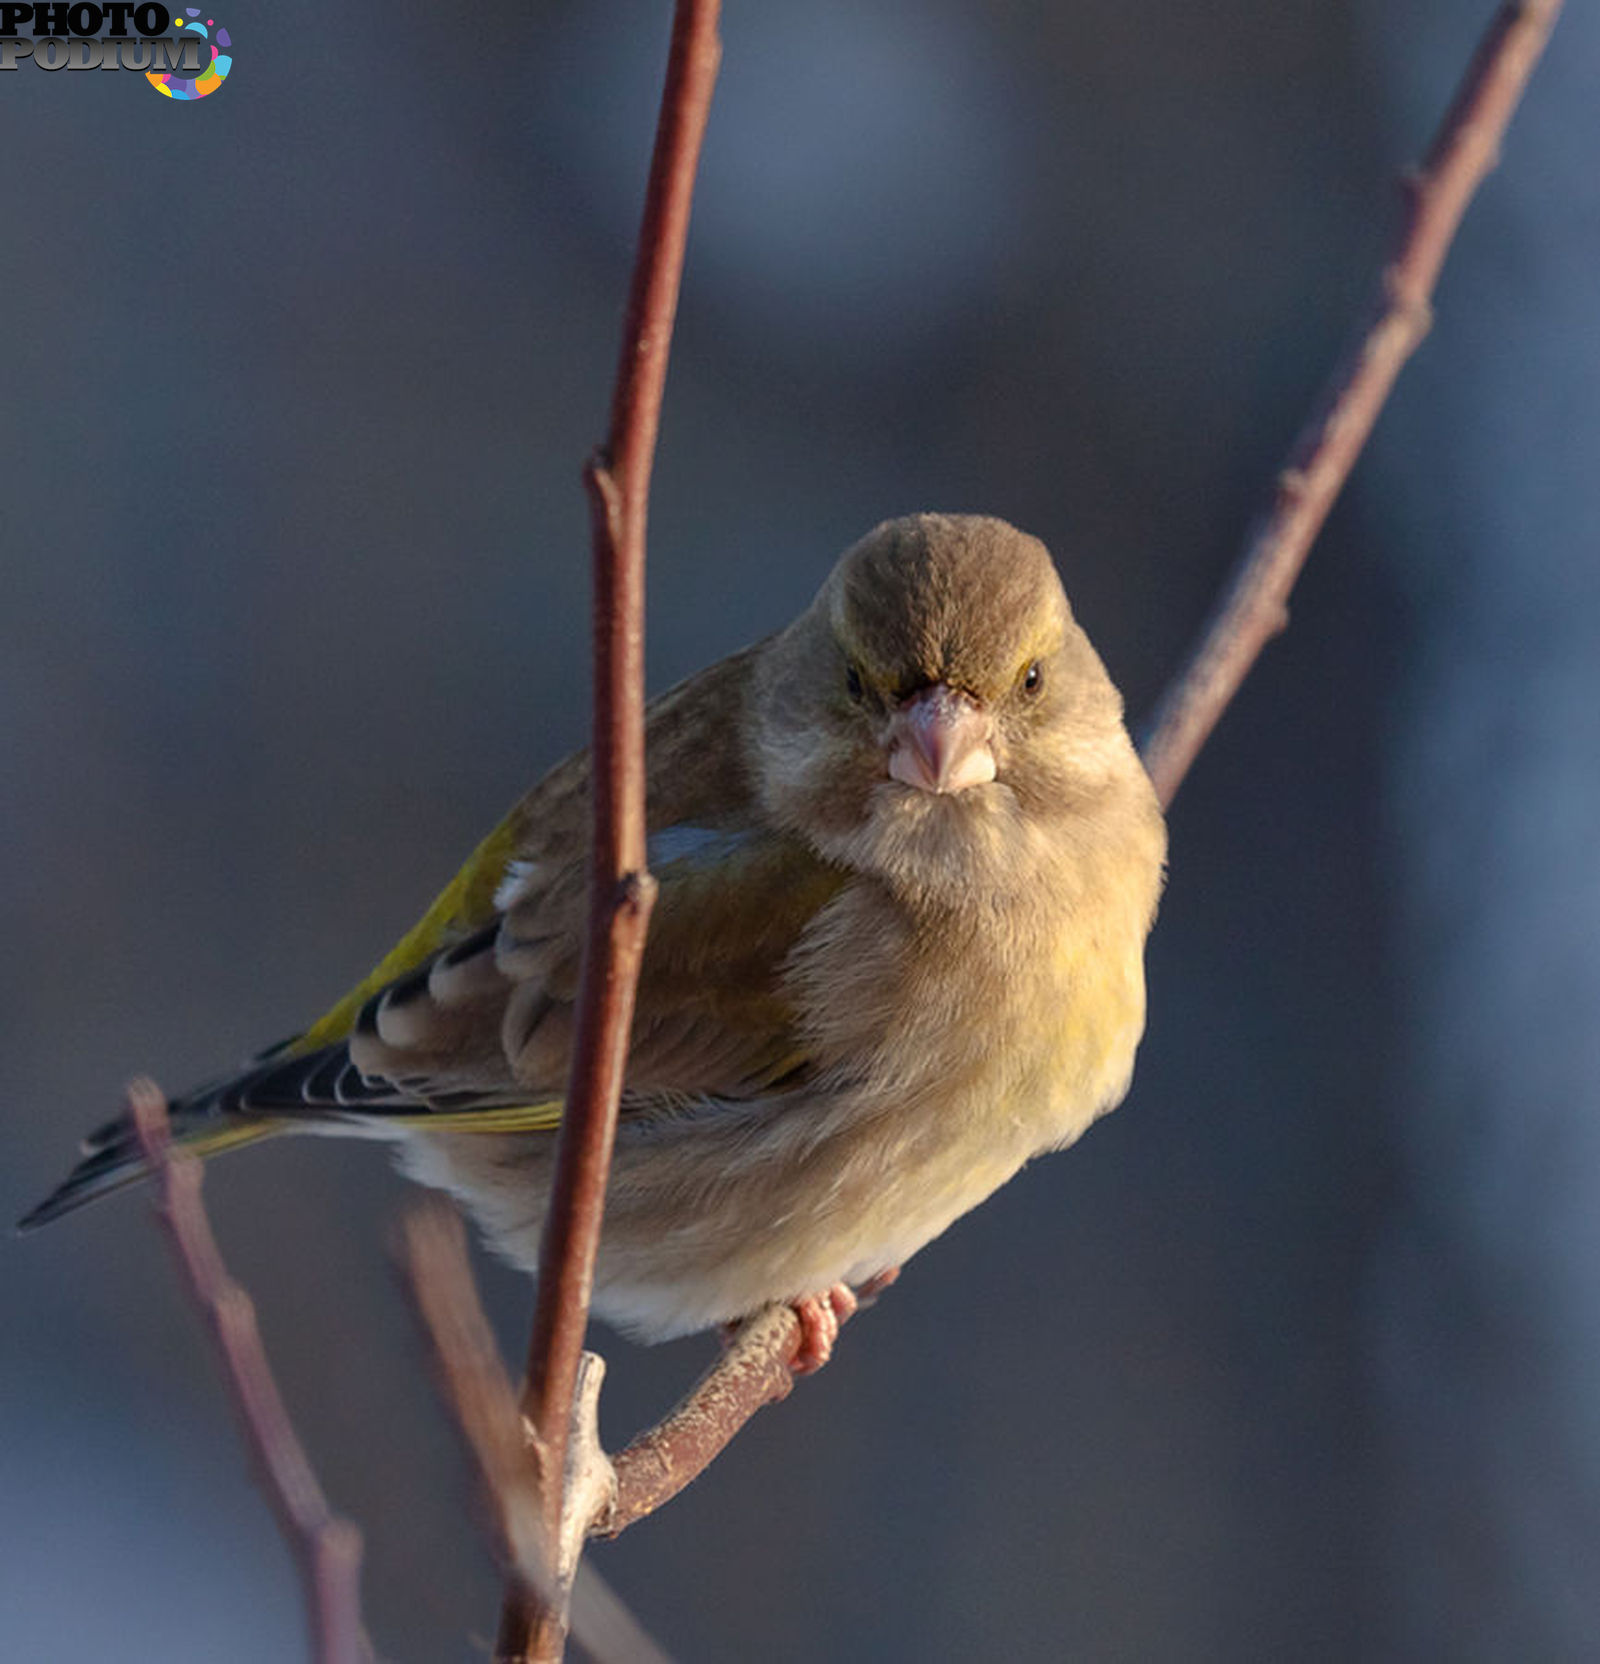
<point>204,84</point>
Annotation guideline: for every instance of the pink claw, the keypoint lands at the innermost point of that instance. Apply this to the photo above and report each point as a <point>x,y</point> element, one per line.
<point>820,1316</point>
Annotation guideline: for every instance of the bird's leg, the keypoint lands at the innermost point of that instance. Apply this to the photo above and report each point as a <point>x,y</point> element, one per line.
<point>869,1291</point>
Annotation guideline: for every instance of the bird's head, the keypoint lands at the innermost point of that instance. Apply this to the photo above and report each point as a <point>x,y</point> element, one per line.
<point>936,705</point>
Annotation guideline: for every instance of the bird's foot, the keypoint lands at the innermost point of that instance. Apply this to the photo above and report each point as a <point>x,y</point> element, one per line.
<point>820,1316</point>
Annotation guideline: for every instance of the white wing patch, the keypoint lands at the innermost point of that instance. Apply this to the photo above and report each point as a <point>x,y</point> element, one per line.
<point>519,879</point>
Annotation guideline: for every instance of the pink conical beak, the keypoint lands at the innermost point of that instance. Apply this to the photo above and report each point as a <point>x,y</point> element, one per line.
<point>940,741</point>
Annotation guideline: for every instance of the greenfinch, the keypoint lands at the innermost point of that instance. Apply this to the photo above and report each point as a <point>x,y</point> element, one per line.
<point>908,859</point>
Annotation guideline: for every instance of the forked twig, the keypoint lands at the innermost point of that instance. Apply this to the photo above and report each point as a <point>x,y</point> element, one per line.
<point>660,1462</point>
<point>620,889</point>
<point>480,1395</point>
<point>326,1547</point>
<point>756,1369</point>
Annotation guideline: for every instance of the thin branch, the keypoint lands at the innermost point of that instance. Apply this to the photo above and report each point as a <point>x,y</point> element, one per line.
<point>754,1371</point>
<point>621,890</point>
<point>474,1383</point>
<point>327,1548</point>
<point>1254,606</point>
<point>476,1388</point>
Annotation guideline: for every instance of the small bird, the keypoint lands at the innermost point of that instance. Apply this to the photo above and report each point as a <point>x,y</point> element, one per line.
<point>908,859</point>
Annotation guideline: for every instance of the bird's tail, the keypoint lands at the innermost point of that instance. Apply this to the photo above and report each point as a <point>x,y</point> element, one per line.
<point>112,1159</point>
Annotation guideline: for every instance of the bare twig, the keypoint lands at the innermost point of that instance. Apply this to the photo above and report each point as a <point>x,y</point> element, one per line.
<point>480,1395</point>
<point>755,1370</point>
<point>474,1383</point>
<point>1254,606</point>
<point>605,1628</point>
<point>621,890</point>
<point>327,1548</point>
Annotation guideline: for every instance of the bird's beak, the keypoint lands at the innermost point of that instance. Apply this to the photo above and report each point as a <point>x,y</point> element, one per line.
<point>940,740</point>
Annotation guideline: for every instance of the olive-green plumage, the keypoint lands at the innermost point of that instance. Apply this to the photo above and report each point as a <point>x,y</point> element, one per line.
<point>908,860</point>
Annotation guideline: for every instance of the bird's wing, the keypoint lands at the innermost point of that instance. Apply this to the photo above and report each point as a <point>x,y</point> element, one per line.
<point>467,1021</point>
<point>694,748</point>
<point>476,1037</point>
<point>470,1016</point>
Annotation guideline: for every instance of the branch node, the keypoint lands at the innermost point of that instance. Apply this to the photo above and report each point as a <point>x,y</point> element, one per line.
<point>1293,483</point>
<point>1404,304</point>
<point>599,478</point>
<point>636,894</point>
<point>590,1491</point>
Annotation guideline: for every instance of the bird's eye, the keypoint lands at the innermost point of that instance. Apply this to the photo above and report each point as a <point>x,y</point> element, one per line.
<point>1033,678</point>
<point>852,683</point>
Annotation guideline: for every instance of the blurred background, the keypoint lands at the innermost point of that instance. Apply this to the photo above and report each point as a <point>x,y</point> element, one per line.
<point>1297,1355</point>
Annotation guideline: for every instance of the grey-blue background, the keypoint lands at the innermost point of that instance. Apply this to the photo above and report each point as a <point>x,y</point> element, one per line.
<point>1298,1355</point>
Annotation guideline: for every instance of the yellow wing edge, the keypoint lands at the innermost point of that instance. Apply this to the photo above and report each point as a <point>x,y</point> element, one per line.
<point>465,903</point>
<point>540,1117</point>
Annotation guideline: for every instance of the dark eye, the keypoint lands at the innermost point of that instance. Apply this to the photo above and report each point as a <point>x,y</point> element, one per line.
<point>852,683</point>
<point>1033,678</point>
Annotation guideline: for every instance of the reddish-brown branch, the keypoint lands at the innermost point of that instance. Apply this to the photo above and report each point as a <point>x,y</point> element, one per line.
<point>755,1370</point>
<point>474,1383</point>
<point>1254,606</point>
<point>621,890</point>
<point>659,1463</point>
<point>327,1548</point>
<point>475,1386</point>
